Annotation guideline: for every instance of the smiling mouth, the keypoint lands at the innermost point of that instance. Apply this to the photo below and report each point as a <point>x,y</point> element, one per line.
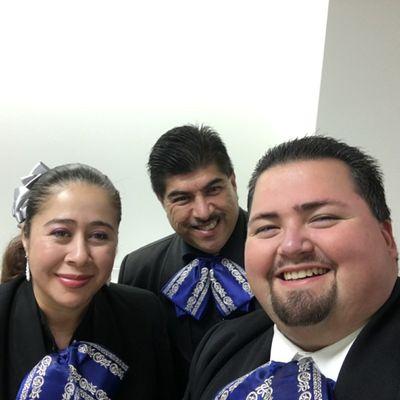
<point>208,225</point>
<point>303,273</point>
<point>74,277</point>
<point>74,281</point>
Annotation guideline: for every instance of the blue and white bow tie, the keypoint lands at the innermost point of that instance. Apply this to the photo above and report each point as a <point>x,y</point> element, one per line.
<point>295,380</point>
<point>190,288</point>
<point>83,370</point>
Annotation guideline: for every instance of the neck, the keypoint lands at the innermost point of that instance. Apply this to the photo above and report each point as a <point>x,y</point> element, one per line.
<point>63,327</point>
<point>316,337</point>
<point>62,323</point>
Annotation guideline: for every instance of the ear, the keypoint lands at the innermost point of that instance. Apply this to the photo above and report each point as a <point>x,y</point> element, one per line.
<point>387,233</point>
<point>25,241</point>
<point>232,178</point>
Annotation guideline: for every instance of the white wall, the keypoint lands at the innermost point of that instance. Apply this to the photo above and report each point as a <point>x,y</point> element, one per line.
<point>360,89</point>
<point>98,82</point>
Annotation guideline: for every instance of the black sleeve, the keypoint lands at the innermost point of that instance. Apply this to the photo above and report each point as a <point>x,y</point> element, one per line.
<point>227,351</point>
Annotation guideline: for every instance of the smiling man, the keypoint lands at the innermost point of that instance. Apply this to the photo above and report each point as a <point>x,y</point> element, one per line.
<point>322,262</point>
<point>198,271</point>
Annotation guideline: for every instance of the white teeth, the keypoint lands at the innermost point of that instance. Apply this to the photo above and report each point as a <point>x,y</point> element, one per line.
<point>211,225</point>
<point>291,276</point>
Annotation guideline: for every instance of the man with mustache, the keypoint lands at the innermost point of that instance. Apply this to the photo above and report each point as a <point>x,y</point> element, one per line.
<point>322,262</point>
<point>197,271</point>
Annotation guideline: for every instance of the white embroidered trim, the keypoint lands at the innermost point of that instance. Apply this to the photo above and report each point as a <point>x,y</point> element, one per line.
<point>85,389</point>
<point>317,382</point>
<point>224,301</point>
<point>238,273</point>
<point>264,388</point>
<point>99,354</point>
<point>264,391</point>
<point>195,300</point>
<point>176,282</point>
<point>304,378</point>
<point>206,280</point>
<point>38,381</point>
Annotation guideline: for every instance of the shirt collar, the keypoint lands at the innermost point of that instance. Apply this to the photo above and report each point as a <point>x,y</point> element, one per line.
<point>328,359</point>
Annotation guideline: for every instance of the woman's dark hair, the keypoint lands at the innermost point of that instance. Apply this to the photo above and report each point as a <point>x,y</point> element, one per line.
<point>14,257</point>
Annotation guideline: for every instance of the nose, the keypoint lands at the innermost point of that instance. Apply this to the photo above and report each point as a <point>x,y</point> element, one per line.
<point>295,242</point>
<point>78,252</point>
<point>202,208</point>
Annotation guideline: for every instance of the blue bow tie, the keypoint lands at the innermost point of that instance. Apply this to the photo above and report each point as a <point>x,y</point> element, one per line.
<point>189,289</point>
<point>81,371</point>
<point>295,380</point>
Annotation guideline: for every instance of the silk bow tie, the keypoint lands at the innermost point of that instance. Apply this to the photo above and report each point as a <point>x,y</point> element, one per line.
<point>189,289</point>
<point>295,380</point>
<point>81,371</point>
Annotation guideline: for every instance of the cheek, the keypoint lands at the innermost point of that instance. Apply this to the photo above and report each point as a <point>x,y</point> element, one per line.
<point>45,256</point>
<point>178,216</point>
<point>105,258</point>
<point>258,259</point>
<point>228,201</point>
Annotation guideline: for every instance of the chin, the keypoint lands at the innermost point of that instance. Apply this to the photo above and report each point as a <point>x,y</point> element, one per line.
<point>73,303</point>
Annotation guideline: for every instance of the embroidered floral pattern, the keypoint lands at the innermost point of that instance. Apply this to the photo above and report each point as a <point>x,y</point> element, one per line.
<point>304,378</point>
<point>104,358</point>
<point>79,388</point>
<point>317,380</point>
<point>264,391</point>
<point>188,289</point>
<point>297,379</point>
<point>35,380</point>
<point>238,273</point>
<point>264,388</point>
<point>225,302</point>
<point>199,292</point>
<point>174,285</point>
<point>81,371</point>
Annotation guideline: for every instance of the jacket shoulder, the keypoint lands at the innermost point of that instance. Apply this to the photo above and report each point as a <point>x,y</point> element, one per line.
<point>133,297</point>
<point>7,291</point>
<point>228,349</point>
<point>141,267</point>
<point>151,249</point>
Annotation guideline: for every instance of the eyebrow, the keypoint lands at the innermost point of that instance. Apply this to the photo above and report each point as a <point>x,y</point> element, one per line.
<point>312,205</point>
<point>68,221</point>
<point>309,206</point>
<point>176,193</point>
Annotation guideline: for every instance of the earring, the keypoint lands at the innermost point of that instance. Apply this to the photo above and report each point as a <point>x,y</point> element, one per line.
<point>27,270</point>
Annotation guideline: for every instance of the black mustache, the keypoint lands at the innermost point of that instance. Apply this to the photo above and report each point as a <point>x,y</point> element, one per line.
<point>199,221</point>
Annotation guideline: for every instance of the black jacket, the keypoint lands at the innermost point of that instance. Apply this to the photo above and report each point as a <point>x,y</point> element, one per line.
<point>371,369</point>
<point>151,266</point>
<point>127,321</point>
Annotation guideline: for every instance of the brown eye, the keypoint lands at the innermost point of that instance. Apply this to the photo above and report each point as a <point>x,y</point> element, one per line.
<point>214,190</point>
<point>99,236</point>
<point>61,233</point>
<point>266,231</point>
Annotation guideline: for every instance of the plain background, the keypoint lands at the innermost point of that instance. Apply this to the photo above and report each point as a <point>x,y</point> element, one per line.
<point>360,88</point>
<point>99,82</point>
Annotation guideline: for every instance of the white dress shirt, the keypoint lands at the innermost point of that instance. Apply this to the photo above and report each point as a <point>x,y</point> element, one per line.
<point>329,359</point>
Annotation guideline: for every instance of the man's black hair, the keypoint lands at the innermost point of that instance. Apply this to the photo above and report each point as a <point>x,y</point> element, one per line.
<point>185,149</point>
<point>364,169</point>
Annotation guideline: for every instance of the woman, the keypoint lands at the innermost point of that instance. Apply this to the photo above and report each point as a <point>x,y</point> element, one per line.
<point>65,332</point>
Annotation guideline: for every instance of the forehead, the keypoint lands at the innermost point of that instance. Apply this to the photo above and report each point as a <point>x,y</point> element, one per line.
<point>194,180</point>
<point>75,197</point>
<point>305,181</point>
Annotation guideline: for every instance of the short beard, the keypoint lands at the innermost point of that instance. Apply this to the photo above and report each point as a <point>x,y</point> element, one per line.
<point>302,308</point>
